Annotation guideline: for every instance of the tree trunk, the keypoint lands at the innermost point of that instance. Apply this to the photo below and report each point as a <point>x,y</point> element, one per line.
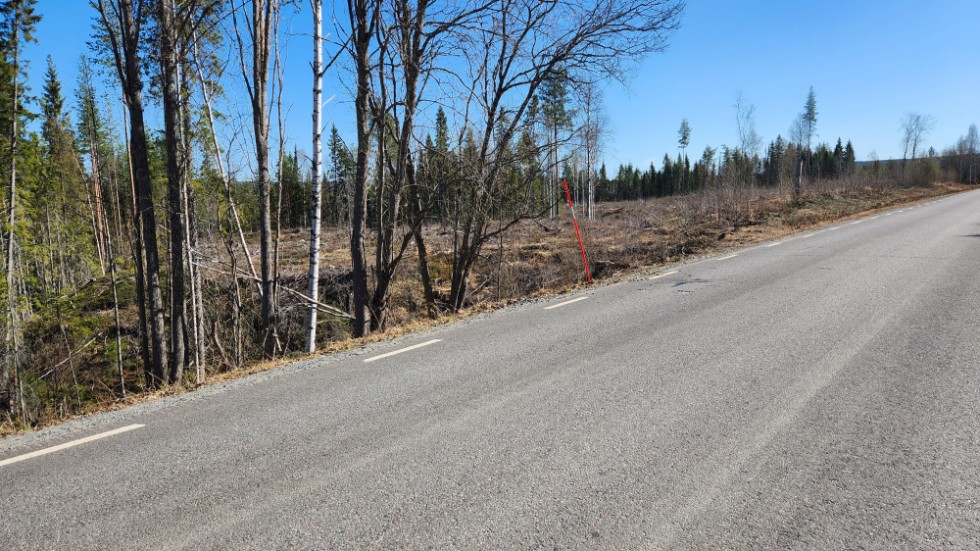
<point>175,204</point>
<point>139,262</point>
<point>409,36</point>
<point>197,289</point>
<point>313,277</point>
<point>262,14</point>
<point>190,227</point>
<point>115,300</point>
<point>158,344</point>
<point>362,38</point>
<point>13,343</point>
<point>417,220</point>
<point>125,48</point>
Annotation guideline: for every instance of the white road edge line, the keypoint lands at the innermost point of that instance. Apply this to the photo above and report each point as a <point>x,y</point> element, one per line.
<point>67,445</point>
<point>406,349</point>
<point>726,257</point>
<point>856,222</point>
<point>665,274</point>
<point>835,228</point>
<point>567,302</point>
<point>807,236</point>
<point>774,244</point>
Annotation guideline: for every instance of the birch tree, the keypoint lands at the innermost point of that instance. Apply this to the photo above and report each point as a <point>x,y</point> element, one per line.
<point>915,127</point>
<point>313,278</point>
<point>592,129</point>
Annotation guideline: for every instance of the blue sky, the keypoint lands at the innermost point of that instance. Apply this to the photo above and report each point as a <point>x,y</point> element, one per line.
<point>870,62</point>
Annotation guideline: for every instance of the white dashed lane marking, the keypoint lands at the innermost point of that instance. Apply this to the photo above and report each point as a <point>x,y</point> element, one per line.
<point>567,302</point>
<point>406,349</point>
<point>67,445</point>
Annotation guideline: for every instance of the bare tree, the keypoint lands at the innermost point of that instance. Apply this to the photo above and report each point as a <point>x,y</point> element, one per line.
<point>592,129</point>
<point>797,132</point>
<point>749,143</point>
<point>915,127</point>
<point>411,40</point>
<point>517,47</point>
<point>214,148</point>
<point>313,278</point>
<point>263,15</point>
<point>748,139</point>
<point>363,15</point>
<point>391,82</point>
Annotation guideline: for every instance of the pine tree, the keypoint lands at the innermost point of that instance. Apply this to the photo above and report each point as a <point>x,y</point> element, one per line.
<point>554,98</point>
<point>684,135</point>
<point>810,116</point>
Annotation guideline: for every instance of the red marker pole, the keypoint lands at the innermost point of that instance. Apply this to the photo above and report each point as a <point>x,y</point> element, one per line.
<point>578,233</point>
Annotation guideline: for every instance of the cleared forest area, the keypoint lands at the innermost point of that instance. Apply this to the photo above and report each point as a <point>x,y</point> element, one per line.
<point>72,341</point>
<point>162,228</point>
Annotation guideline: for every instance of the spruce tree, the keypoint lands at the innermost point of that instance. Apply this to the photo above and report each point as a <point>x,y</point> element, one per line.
<point>17,22</point>
<point>838,166</point>
<point>849,158</point>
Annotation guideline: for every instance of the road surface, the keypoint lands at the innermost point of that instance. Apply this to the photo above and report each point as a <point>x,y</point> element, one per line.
<point>821,391</point>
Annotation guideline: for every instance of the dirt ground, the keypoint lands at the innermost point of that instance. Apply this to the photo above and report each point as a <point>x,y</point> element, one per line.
<point>537,257</point>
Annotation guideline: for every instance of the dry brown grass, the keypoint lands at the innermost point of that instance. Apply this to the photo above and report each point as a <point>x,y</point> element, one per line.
<point>535,258</point>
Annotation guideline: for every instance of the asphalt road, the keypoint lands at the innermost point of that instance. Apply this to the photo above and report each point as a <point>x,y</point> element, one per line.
<point>816,392</point>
